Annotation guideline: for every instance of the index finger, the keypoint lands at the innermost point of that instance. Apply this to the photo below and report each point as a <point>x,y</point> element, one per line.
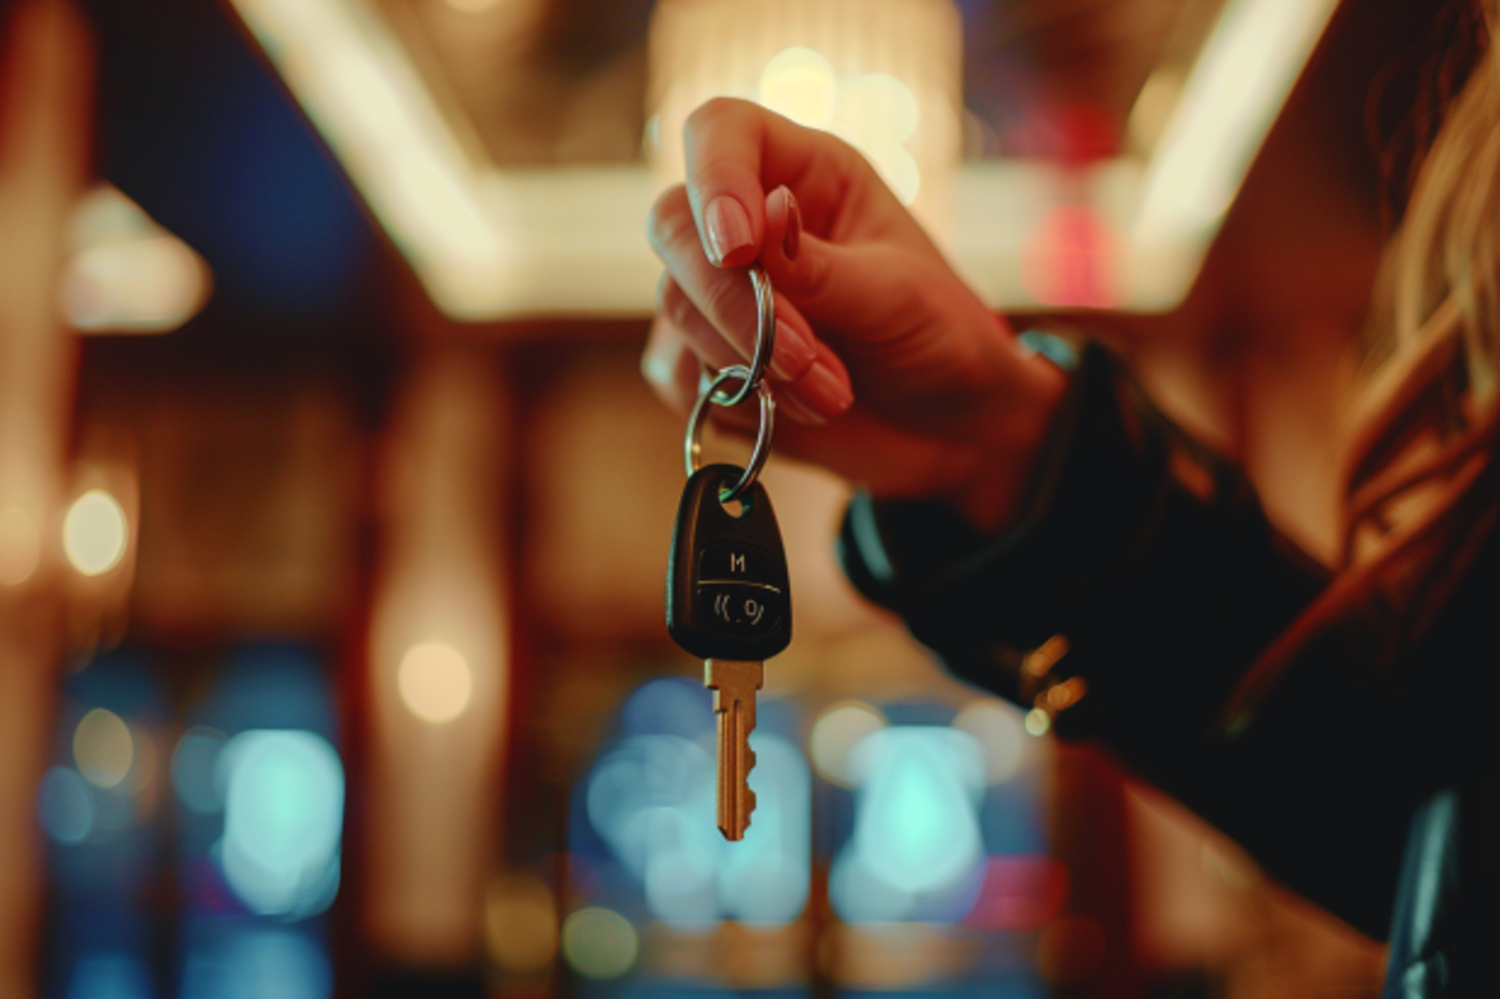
<point>737,151</point>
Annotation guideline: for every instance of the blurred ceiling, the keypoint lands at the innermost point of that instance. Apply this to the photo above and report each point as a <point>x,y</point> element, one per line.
<point>196,127</point>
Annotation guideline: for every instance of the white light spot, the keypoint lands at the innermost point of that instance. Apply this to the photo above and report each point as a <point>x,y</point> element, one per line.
<point>95,533</point>
<point>435,682</point>
<point>835,734</point>
<point>800,84</point>
<point>876,110</point>
<point>996,726</point>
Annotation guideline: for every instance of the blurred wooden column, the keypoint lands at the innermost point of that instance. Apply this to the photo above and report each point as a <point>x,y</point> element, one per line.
<point>46,82</point>
<point>439,659</point>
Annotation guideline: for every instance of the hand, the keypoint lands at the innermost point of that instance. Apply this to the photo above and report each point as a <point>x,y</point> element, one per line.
<point>893,373</point>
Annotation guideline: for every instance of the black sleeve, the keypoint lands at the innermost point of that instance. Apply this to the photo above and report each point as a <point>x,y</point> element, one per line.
<point>1128,607</point>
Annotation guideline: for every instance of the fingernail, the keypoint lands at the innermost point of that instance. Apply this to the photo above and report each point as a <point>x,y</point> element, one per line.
<point>793,354</point>
<point>791,240</point>
<point>824,392</point>
<point>728,228</point>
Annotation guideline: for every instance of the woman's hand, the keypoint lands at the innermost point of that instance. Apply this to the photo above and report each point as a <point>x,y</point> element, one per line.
<point>893,373</point>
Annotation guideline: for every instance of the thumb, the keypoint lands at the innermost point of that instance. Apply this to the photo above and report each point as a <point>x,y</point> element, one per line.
<point>836,285</point>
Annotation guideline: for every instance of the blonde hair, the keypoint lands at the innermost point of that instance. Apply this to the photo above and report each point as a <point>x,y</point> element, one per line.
<point>1421,481</point>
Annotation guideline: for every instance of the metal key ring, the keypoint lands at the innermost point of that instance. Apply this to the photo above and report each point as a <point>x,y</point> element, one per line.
<point>692,449</point>
<point>765,339</point>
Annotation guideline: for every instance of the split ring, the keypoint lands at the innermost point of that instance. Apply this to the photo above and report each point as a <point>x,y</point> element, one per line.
<point>692,448</point>
<point>765,339</point>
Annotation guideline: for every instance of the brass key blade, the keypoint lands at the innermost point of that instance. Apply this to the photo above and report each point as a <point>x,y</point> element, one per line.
<point>734,685</point>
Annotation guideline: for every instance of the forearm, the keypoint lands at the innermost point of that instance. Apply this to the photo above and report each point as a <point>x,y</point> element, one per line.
<point>1164,596</point>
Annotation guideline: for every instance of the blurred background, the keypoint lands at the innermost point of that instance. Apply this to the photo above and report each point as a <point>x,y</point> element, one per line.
<point>334,513</point>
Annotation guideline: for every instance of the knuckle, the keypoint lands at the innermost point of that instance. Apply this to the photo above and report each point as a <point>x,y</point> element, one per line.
<point>810,278</point>
<point>669,216</point>
<point>718,300</point>
<point>713,110</point>
<point>676,305</point>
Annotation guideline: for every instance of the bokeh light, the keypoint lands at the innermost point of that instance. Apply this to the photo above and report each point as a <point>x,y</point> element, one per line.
<point>996,727</point>
<point>875,113</point>
<point>20,546</point>
<point>95,533</point>
<point>65,806</point>
<point>258,962</point>
<point>835,734</point>
<point>599,943</point>
<point>520,924</point>
<point>801,85</point>
<point>283,820</point>
<point>651,798</point>
<point>126,274</point>
<point>110,975</point>
<point>916,852</point>
<point>193,770</point>
<point>435,682</point>
<point>103,748</point>
<point>145,286</point>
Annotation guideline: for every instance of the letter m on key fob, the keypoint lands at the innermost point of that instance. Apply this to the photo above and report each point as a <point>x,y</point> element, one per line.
<point>727,591</point>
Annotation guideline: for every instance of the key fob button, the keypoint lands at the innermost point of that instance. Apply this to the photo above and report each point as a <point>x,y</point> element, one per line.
<point>735,562</point>
<point>740,608</point>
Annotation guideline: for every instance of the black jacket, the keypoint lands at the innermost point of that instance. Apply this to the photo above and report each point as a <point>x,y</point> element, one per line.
<point>1370,790</point>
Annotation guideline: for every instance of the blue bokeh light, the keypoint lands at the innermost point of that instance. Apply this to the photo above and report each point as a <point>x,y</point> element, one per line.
<point>65,806</point>
<point>650,799</point>
<point>110,975</point>
<point>255,963</point>
<point>917,851</point>
<point>283,820</point>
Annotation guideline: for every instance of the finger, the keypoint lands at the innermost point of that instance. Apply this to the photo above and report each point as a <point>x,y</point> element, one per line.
<point>815,386</point>
<point>861,287</point>
<point>737,151</point>
<point>725,298</point>
<point>707,341</point>
<point>670,366</point>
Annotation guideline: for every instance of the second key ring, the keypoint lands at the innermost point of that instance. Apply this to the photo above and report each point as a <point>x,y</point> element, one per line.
<point>693,444</point>
<point>765,340</point>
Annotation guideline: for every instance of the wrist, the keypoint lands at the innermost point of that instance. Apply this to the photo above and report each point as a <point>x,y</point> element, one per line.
<point>1008,443</point>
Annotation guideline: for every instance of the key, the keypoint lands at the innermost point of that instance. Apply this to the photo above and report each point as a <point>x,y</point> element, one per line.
<point>729,603</point>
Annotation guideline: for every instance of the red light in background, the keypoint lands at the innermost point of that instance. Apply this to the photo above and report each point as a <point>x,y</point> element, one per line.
<point>1020,893</point>
<point>1071,259</point>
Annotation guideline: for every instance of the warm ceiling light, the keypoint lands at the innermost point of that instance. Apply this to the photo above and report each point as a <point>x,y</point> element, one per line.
<point>435,682</point>
<point>884,75</point>
<point>126,273</point>
<point>95,533</point>
<point>491,244</point>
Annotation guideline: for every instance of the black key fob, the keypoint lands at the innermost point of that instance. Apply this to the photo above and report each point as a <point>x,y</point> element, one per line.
<point>728,595</point>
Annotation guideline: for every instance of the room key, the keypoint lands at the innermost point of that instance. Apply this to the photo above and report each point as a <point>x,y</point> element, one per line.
<point>729,603</point>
